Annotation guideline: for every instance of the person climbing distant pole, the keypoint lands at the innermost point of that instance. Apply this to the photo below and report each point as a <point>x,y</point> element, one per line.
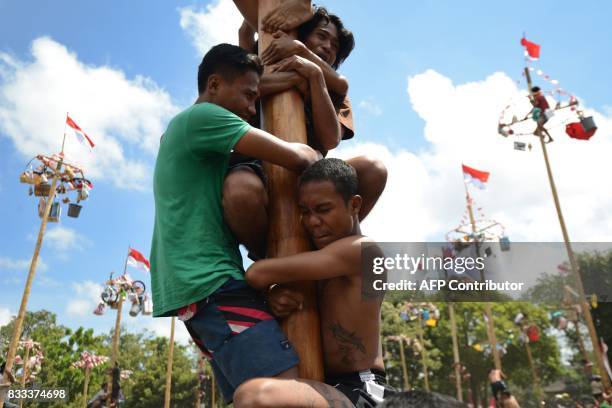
<point>284,115</point>
<point>584,305</point>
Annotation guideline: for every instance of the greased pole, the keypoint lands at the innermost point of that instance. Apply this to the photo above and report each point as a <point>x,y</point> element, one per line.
<point>283,115</point>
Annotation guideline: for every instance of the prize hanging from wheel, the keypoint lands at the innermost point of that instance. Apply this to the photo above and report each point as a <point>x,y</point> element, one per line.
<point>552,107</point>
<point>72,187</point>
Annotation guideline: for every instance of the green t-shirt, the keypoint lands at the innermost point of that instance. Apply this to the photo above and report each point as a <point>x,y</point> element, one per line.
<point>193,251</point>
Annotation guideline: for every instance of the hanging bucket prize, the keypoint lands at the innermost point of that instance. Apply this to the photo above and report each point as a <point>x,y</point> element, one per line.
<point>74,210</point>
<point>588,124</point>
<point>533,333</point>
<point>148,307</point>
<point>55,212</point>
<point>42,189</point>
<point>504,243</point>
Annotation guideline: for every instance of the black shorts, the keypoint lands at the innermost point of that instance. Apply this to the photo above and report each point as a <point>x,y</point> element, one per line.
<point>364,389</point>
<point>237,161</point>
<point>498,387</point>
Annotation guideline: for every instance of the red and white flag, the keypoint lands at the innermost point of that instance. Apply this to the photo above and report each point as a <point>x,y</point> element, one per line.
<point>137,260</point>
<point>532,49</point>
<point>476,177</point>
<point>82,136</point>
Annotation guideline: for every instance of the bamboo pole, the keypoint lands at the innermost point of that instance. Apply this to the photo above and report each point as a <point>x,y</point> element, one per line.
<point>169,366</point>
<point>24,374</point>
<point>423,353</point>
<point>12,350</point>
<point>115,352</point>
<point>456,360</point>
<point>487,306</point>
<point>283,115</point>
<point>570,254</point>
<point>400,341</point>
<point>534,373</point>
<point>116,336</point>
<point>86,385</point>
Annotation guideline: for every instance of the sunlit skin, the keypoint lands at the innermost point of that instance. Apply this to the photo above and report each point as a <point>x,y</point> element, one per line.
<point>323,41</point>
<point>325,215</point>
<point>238,95</point>
<point>350,323</point>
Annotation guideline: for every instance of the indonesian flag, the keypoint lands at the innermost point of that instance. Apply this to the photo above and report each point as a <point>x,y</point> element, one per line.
<point>477,177</point>
<point>532,49</point>
<point>82,136</point>
<point>137,260</point>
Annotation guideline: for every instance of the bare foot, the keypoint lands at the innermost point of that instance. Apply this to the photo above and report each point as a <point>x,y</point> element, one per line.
<point>287,16</point>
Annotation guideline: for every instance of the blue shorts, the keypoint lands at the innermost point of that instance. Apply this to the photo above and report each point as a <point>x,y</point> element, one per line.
<point>236,330</point>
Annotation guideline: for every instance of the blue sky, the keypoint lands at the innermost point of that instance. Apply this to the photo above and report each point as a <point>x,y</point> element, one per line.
<point>396,42</point>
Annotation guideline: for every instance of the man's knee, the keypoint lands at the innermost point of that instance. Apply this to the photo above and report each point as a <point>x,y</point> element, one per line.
<point>243,189</point>
<point>258,392</point>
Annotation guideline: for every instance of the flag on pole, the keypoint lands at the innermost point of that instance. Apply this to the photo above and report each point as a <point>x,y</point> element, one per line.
<point>137,260</point>
<point>532,49</point>
<point>476,177</point>
<point>82,136</point>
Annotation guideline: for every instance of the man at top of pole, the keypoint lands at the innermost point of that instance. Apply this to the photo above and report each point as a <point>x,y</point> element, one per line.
<point>309,65</point>
<point>196,267</point>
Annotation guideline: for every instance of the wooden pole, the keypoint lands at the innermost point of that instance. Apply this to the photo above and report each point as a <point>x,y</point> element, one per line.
<point>12,350</point>
<point>24,374</point>
<point>534,373</point>
<point>116,336</point>
<point>487,306</point>
<point>86,386</point>
<point>574,264</point>
<point>169,366</point>
<point>492,336</point>
<point>423,354</point>
<point>283,115</point>
<point>456,360</point>
<point>400,341</point>
<point>115,352</point>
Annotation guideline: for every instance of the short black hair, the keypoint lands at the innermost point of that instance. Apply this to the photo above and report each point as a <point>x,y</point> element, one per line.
<point>340,173</point>
<point>422,399</point>
<point>227,60</point>
<point>346,41</point>
<point>535,89</point>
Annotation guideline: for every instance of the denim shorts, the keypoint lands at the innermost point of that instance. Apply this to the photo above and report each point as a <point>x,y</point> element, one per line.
<point>236,330</point>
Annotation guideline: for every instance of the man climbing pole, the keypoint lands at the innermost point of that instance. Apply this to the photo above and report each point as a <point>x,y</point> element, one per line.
<point>541,112</point>
<point>196,267</point>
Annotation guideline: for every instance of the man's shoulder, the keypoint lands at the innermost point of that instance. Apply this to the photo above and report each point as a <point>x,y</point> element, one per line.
<point>349,248</point>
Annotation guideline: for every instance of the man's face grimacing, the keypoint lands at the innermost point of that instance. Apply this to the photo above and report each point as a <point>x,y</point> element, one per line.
<point>237,95</point>
<point>324,213</point>
<point>323,41</point>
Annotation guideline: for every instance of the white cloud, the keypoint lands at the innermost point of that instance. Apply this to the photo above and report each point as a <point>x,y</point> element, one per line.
<point>425,196</point>
<point>370,106</point>
<point>118,113</point>
<point>5,316</point>
<point>160,326</point>
<point>86,298</point>
<point>217,23</point>
<point>64,239</point>
<point>20,265</point>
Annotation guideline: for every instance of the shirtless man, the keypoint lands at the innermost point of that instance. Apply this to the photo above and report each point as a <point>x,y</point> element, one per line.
<point>350,323</point>
<point>309,64</point>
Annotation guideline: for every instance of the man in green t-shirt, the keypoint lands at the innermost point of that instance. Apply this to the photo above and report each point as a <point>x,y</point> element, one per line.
<point>196,267</point>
